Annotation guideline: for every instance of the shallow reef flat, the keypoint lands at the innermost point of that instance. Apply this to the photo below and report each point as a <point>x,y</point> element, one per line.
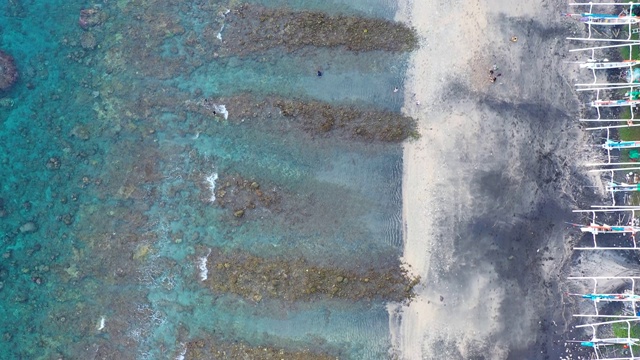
<point>212,348</point>
<point>145,140</point>
<point>251,28</point>
<point>350,122</point>
<point>256,278</point>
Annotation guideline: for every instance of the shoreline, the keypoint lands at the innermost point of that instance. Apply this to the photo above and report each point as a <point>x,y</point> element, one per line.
<point>425,158</point>
<point>466,189</point>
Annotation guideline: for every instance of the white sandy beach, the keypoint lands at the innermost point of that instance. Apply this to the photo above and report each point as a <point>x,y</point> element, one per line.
<point>464,308</point>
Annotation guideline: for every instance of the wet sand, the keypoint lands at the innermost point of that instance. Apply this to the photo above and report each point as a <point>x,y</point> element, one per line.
<point>488,186</point>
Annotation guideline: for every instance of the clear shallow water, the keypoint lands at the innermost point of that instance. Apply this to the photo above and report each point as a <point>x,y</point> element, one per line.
<point>99,154</point>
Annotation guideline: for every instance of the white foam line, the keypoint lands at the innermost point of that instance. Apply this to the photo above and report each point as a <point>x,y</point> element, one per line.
<point>222,109</point>
<point>211,179</point>
<point>202,265</point>
<point>101,323</point>
<point>219,36</point>
<point>183,352</point>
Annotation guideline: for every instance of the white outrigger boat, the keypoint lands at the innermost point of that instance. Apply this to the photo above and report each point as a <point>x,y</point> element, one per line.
<point>606,19</point>
<point>619,144</point>
<point>632,98</point>
<point>594,64</point>
<point>604,64</point>
<point>605,348</point>
<point>609,297</point>
<point>622,187</point>
<point>614,103</point>
<point>597,229</point>
<point>627,17</point>
<point>597,296</point>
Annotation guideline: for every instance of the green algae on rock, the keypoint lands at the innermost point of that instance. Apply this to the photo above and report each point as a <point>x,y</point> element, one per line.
<point>255,29</point>
<point>258,278</point>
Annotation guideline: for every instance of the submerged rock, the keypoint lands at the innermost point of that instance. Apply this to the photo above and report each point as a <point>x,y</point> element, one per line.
<point>88,41</point>
<point>91,17</point>
<point>28,227</point>
<point>241,196</point>
<point>8,71</point>
<point>81,132</point>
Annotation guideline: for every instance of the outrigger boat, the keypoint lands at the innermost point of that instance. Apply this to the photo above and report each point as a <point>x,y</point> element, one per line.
<point>614,103</point>
<point>629,343</point>
<point>632,184</point>
<point>596,229</point>
<point>606,19</point>
<point>628,17</point>
<point>609,297</point>
<point>606,64</point>
<point>629,296</point>
<point>632,227</point>
<point>616,144</point>
<point>626,343</point>
<point>622,187</point>
<point>633,99</point>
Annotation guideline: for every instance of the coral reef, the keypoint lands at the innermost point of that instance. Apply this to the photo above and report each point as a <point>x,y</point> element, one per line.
<point>315,117</point>
<point>253,29</point>
<point>258,278</point>
<point>100,209</point>
<point>350,121</point>
<point>240,195</point>
<point>91,17</point>
<point>8,71</point>
<point>211,348</point>
<point>88,41</point>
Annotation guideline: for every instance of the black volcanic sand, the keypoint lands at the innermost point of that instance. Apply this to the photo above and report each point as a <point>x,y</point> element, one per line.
<point>508,180</point>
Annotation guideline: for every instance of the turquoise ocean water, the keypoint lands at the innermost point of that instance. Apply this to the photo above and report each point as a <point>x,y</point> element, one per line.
<point>104,194</point>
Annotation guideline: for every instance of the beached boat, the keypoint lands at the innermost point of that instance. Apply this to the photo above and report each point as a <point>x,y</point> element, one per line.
<point>622,187</point>
<point>620,347</point>
<point>617,144</point>
<point>606,19</point>
<point>606,64</point>
<point>609,229</point>
<point>632,227</point>
<point>615,103</point>
<point>609,297</point>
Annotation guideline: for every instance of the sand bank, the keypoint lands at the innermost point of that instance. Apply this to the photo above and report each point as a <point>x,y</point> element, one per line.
<point>487,184</point>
